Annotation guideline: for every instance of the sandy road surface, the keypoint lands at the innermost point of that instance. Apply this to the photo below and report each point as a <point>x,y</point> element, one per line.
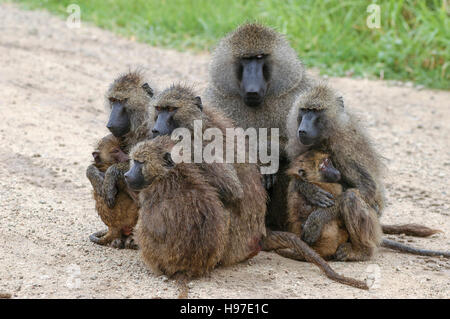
<point>52,81</point>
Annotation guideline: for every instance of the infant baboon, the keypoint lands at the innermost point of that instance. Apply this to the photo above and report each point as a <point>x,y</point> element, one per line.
<point>123,217</point>
<point>316,167</point>
<point>327,228</point>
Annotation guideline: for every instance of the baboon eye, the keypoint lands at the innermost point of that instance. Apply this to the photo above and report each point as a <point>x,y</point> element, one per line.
<point>158,108</point>
<point>259,56</point>
<point>171,109</point>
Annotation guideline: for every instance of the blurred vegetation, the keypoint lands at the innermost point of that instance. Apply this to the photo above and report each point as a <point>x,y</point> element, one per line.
<point>412,43</point>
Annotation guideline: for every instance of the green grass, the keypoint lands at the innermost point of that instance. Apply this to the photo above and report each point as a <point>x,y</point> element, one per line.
<point>412,43</point>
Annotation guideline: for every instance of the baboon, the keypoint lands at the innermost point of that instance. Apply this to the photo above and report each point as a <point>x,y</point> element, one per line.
<point>127,99</point>
<point>316,167</point>
<point>185,229</point>
<point>178,107</point>
<point>255,76</point>
<point>319,121</point>
<point>239,185</point>
<point>123,217</point>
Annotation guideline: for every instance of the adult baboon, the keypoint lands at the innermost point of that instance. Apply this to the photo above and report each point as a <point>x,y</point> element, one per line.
<point>255,76</point>
<point>319,121</point>
<point>123,217</point>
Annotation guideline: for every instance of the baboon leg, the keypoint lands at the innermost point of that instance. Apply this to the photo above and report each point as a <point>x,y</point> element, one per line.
<point>362,224</point>
<point>105,237</point>
<point>279,240</point>
<point>415,230</point>
<point>313,226</point>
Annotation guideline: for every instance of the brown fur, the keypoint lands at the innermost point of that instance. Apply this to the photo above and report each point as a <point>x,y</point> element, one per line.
<point>288,79</point>
<point>360,165</point>
<point>183,226</point>
<point>123,217</point>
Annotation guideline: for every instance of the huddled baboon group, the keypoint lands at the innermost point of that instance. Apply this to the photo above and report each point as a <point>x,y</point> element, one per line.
<point>188,217</point>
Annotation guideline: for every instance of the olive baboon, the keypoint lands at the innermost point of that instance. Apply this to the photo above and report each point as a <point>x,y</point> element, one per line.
<point>178,107</point>
<point>255,76</point>
<point>123,217</point>
<point>319,121</point>
<point>184,228</point>
<point>316,167</point>
<point>127,98</point>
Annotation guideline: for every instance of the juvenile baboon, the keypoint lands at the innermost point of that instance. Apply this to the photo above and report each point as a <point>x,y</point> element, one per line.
<point>317,168</point>
<point>123,217</point>
<point>319,121</point>
<point>127,99</point>
<point>184,228</point>
<point>255,76</point>
<point>178,107</point>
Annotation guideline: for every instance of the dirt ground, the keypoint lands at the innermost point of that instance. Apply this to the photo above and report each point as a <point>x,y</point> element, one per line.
<point>52,83</point>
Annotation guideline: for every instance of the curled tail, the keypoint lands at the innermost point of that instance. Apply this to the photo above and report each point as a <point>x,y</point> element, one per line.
<point>410,230</point>
<point>412,250</point>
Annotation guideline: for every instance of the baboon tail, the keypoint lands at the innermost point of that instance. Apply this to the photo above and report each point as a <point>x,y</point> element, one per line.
<point>410,230</point>
<point>412,250</point>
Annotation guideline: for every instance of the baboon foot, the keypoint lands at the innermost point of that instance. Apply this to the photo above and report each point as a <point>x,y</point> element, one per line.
<point>100,237</point>
<point>124,242</point>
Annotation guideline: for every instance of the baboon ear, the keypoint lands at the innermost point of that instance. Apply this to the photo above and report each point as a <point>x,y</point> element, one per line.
<point>340,101</point>
<point>96,156</point>
<point>148,89</point>
<point>168,162</point>
<point>198,102</point>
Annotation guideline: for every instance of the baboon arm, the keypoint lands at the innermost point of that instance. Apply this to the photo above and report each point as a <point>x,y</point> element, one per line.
<point>95,177</point>
<point>357,176</point>
<point>113,175</point>
<point>225,179</point>
<point>314,194</point>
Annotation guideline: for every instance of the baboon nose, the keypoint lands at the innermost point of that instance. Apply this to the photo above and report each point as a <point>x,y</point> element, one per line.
<point>301,133</point>
<point>155,132</point>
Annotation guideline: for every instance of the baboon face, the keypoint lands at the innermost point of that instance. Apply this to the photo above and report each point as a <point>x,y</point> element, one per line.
<point>150,161</point>
<point>171,112</point>
<point>109,152</point>
<point>119,120</point>
<point>315,166</point>
<point>253,77</point>
<point>311,128</point>
<point>125,96</point>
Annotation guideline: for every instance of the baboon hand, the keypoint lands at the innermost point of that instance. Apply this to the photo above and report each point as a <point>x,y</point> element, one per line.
<point>109,194</point>
<point>312,229</point>
<point>269,180</point>
<point>321,198</point>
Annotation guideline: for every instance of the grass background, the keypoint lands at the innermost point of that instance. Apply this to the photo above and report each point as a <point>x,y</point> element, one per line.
<point>412,43</point>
